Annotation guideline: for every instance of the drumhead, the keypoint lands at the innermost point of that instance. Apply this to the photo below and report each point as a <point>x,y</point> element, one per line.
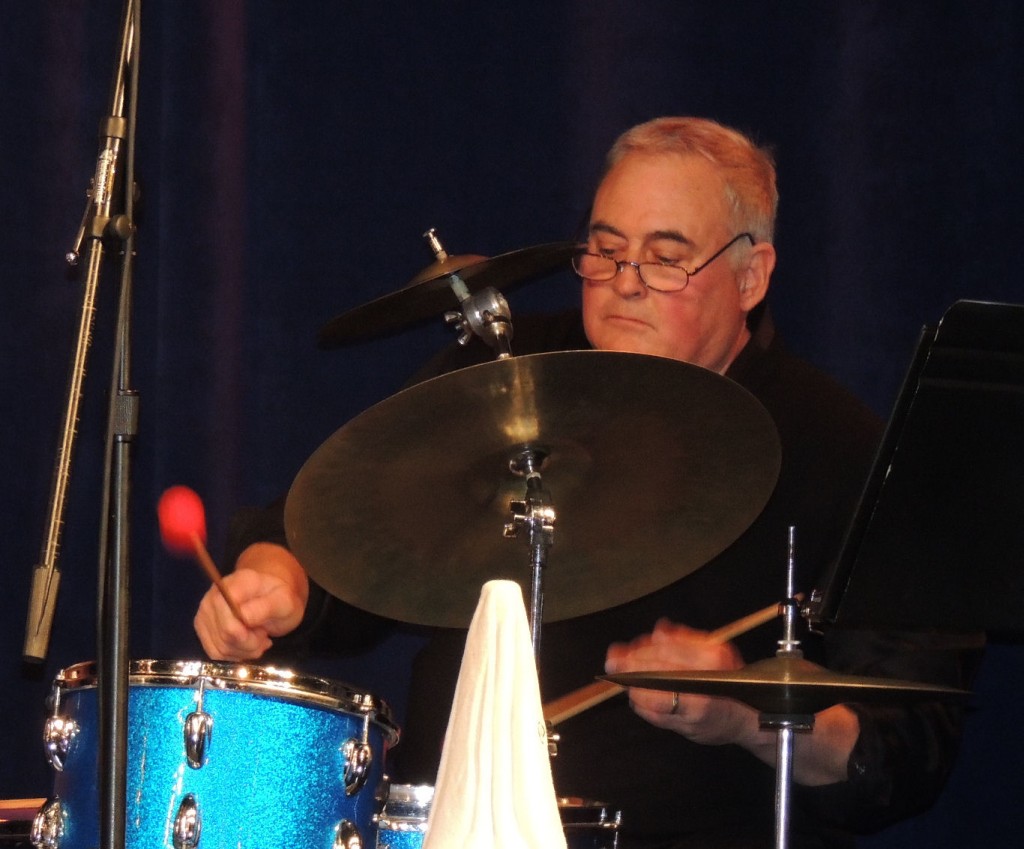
<point>273,681</point>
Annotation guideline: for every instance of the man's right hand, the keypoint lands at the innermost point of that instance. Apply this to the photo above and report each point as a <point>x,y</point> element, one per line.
<point>270,588</point>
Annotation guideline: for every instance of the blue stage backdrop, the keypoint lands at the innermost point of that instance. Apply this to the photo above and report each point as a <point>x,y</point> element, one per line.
<point>291,154</point>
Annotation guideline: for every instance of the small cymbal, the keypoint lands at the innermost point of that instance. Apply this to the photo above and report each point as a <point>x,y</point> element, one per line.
<point>787,686</point>
<point>429,292</point>
<point>653,467</point>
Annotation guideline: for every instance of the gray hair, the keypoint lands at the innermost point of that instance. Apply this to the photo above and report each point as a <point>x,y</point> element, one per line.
<point>748,171</point>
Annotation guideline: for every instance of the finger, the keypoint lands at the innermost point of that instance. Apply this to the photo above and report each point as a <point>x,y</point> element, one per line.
<point>222,636</point>
<point>659,718</point>
<point>220,647</point>
<point>666,631</point>
<point>656,701</point>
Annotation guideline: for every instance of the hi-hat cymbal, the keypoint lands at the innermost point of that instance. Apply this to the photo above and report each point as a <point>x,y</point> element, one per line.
<point>787,685</point>
<point>653,467</point>
<point>429,292</point>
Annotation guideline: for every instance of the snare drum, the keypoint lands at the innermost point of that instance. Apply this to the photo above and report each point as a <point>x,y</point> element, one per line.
<point>403,822</point>
<point>220,756</point>
<point>588,824</point>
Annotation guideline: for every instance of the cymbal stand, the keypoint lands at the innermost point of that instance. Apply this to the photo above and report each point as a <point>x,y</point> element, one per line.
<point>786,724</point>
<point>485,314</point>
<point>537,515</point>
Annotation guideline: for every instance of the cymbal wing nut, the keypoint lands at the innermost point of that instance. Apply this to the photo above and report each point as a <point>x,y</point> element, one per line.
<point>518,510</point>
<point>435,245</point>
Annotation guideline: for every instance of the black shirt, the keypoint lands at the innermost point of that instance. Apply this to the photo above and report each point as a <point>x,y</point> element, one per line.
<point>670,791</point>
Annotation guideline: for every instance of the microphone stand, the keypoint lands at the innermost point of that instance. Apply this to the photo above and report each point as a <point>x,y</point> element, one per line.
<point>103,222</point>
<point>113,595</point>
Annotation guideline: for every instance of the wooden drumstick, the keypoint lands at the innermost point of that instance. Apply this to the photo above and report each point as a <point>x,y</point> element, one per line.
<point>183,530</point>
<point>210,568</point>
<point>592,694</point>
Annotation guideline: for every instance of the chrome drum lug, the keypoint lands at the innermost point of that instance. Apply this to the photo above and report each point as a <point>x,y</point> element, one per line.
<point>358,759</point>
<point>347,836</point>
<point>198,733</point>
<point>198,730</point>
<point>187,824</point>
<point>58,734</point>
<point>48,825</point>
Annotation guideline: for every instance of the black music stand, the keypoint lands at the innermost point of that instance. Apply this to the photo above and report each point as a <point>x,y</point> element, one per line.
<point>937,540</point>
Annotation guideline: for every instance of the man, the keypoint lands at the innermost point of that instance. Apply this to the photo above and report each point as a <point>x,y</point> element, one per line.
<point>677,264</point>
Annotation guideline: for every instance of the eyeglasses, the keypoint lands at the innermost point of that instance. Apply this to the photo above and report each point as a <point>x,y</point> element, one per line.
<point>654,275</point>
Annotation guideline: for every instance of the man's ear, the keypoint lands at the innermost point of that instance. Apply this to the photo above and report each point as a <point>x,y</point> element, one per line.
<point>756,274</point>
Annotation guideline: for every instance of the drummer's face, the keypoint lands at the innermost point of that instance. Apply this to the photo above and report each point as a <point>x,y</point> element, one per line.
<point>667,208</point>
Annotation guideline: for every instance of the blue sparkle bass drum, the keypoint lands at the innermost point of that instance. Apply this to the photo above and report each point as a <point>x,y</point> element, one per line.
<point>220,756</point>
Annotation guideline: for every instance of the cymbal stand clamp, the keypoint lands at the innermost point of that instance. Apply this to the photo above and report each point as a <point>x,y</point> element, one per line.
<point>537,515</point>
<point>485,314</point>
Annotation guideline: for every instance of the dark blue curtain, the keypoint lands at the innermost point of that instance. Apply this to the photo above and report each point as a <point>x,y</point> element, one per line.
<point>291,154</point>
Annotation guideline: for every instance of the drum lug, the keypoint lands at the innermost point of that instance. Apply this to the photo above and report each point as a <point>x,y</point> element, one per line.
<point>187,824</point>
<point>58,733</point>
<point>358,759</point>
<point>48,825</point>
<point>346,836</point>
<point>380,796</point>
<point>198,732</point>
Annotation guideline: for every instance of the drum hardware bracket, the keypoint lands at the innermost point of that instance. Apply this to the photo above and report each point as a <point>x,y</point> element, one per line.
<point>58,734</point>
<point>188,824</point>
<point>380,796</point>
<point>48,824</point>
<point>485,314</point>
<point>554,738</point>
<point>358,759</point>
<point>198,731</point>
<point>347,836</point>
<point>537,515</point>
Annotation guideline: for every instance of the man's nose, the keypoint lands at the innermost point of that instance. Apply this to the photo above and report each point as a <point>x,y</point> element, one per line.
<point>627,282</point>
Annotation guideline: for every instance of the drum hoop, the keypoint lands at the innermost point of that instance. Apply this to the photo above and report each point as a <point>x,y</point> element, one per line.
<point>405,804</point>
<point>238,677</point>
<point>580,813</point>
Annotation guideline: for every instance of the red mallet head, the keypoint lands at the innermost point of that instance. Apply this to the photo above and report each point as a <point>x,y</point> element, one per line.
<point>182,520</point>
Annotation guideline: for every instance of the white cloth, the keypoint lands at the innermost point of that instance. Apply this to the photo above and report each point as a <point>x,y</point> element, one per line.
<point>494,788</point>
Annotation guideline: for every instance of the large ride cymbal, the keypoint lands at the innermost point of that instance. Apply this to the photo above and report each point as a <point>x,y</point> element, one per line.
<point>788,686</point>
<point>653,467</point>
<point>429,292</point>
